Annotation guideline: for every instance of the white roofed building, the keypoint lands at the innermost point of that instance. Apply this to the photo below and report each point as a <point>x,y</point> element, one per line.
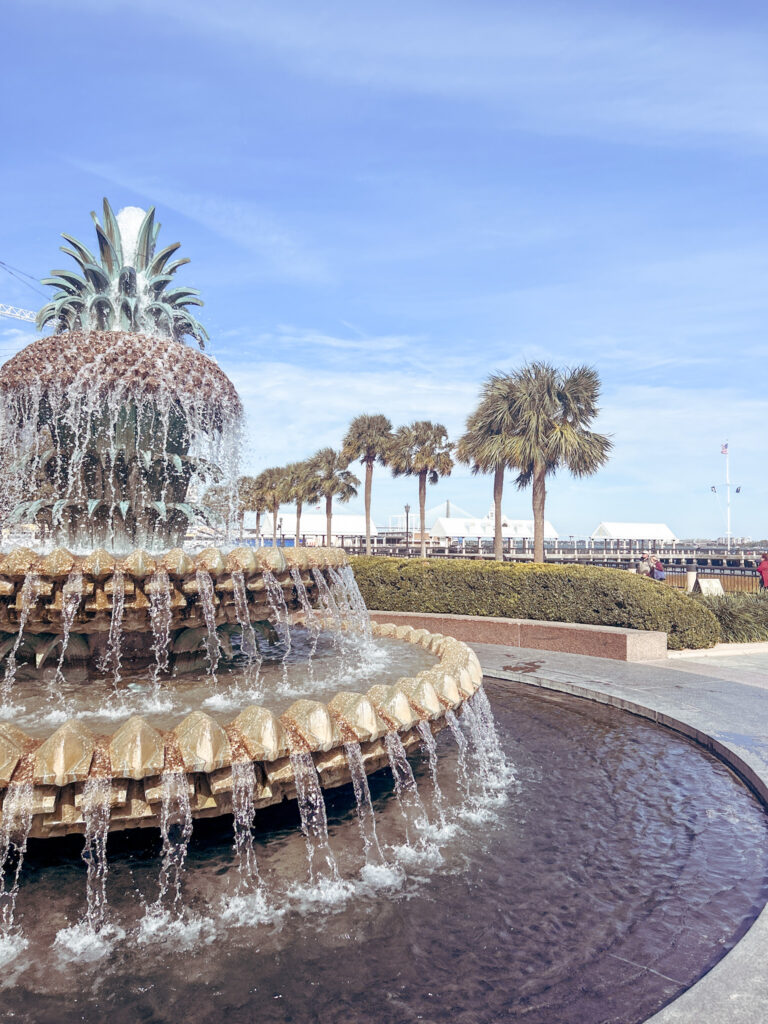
<point>456,528</point>
<point>634,532</point>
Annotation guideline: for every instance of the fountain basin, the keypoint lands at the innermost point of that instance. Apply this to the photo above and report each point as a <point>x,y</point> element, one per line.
<point>136,755</point>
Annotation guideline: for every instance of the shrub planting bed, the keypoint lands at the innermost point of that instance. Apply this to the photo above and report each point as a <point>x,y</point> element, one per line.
<point>552,593</point>
<point>743,618</point>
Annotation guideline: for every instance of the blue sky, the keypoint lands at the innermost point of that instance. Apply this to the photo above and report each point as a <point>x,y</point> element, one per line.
<point>383,203</point>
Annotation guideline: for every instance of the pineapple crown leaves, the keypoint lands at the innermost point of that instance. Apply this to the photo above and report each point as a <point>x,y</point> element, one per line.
<point>122,291</point>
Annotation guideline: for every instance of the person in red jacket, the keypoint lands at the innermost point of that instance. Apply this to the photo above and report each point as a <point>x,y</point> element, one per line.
<point>762,570</point>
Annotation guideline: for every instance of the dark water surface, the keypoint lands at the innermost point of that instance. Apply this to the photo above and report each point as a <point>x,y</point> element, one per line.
<point>621,867</point>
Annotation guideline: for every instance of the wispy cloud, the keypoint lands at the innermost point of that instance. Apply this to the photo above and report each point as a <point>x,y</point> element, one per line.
<point>281,250</point>
<point>595,69</point>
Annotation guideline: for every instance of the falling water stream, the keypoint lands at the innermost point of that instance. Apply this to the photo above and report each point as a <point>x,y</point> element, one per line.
<point>365,815</point>
<point>14,832</point>
<point>176,830</point>
<point>160,618</point>
<point>314,821</point>
<point>208,605</point>
<point>30,591</point>
<point>429,745</point>
<point>311,619</point>
<point>405,785</point>
<point>243,814</point>
<point>280,617</point>
<point>113,654</point>
<point>71,596</point>
<point>96,798</point>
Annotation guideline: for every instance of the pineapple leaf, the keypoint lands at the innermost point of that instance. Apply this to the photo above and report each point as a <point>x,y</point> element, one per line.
<point>112,229</point>
<point>145,241</point>
<point>84,254</point>
<point>161,259</point>
<point>110,259</point>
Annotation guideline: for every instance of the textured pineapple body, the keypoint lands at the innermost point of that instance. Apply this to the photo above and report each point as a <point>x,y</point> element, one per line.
<point>105,431</point>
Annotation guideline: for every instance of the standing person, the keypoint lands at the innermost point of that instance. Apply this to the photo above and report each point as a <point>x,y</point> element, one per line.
<point>657,572</point>
<point>762,571</point>
<point>645,565</point>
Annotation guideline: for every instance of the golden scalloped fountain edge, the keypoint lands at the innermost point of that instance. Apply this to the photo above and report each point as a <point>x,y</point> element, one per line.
<point>136,755</point>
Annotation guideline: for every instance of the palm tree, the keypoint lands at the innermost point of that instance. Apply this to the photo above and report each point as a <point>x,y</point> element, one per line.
<point>302,486</point>
<point>272,486</point>
<point>423,450</point>
<point>367,439</point>
<point>251,499</point>
<point>485,448</point>
<point>334,481</point>
<point>536,420</point>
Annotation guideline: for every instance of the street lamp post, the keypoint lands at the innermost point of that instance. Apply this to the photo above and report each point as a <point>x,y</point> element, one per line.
<point>407,533</point>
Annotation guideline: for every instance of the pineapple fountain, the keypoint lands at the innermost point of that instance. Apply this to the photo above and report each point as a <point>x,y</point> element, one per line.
<point>108,427</point>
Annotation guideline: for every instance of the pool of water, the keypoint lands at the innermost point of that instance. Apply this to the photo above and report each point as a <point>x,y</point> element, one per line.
<point>615,867</point>
<point>340,662</point>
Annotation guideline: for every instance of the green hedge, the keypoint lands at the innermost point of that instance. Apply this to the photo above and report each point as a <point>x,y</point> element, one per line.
<point>555,593</point>
<point>743,618</point>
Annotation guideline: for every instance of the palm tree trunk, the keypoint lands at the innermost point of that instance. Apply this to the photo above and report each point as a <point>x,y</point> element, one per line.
<point>498,489</point>
<point>328,517</point>
<point>539,498</point>
<point>274,525</point>
<point>368,482</point>
<point>298,522</point>
<point>422,512</point>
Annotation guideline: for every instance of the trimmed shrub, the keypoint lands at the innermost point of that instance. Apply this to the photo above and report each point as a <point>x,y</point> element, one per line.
<point>743,618</point>
<point>554,593</point>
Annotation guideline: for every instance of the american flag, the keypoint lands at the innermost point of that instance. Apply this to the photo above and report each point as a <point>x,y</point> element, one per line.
<point>724,448</point>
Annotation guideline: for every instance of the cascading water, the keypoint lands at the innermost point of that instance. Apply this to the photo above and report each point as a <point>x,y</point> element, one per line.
<point>208,605</point>
<point>314,820</point>
<point>243,813</point>
<point>176,830</point>
<point>461,742</point>
<point>248,646</point>
<point>405,785</point>
<point>71,596</point>
<point>487,726</point>
<point>327,603</point>
<point>365,816</point>
<point>430,746</point>
<point>489,769</point>
<point>14,832</point>
<point>311,619</point>
<point>30,591</point>
<point>276,601</point>
<point>113,654</point>
<point>96,798</point>
<point>160,617</point>
<point>360,615</point>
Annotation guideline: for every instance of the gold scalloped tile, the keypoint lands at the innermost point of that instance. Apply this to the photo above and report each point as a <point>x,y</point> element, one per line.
<point>136,749</point>
<point>393,706</point>
<point>359,715</point>
<point>311,720</point>
<point>262,733</point>
<point>202,742</point>
<point>66,755</point>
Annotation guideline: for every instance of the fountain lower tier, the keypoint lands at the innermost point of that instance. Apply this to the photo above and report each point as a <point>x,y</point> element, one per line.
<point>137,755</point>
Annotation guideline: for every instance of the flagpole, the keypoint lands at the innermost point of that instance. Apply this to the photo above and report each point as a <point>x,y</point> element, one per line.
<point>728,496</point>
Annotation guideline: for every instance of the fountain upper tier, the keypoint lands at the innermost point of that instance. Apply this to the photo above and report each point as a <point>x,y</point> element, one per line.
<point>103,433</point>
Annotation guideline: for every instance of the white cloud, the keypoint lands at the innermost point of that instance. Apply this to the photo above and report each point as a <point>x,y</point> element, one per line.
<point>596,69</point>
